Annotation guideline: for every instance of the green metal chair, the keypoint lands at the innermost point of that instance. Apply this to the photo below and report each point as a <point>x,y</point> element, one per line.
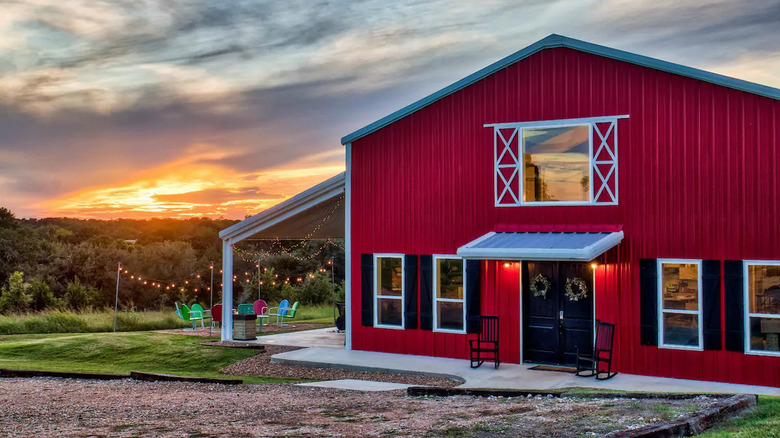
<point>185,314</point>
<point>287,312</point>
<point>197,313</point>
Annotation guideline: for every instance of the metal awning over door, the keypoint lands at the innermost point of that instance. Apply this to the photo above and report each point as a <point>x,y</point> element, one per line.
<point>574,246</point>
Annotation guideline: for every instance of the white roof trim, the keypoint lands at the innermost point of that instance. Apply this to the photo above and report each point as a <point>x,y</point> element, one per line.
<point>301,202</point>
<point>583,254</point>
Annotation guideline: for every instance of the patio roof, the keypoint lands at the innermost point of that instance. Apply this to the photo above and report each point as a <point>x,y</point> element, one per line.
<point>541,246</point>
<point>315,213</point>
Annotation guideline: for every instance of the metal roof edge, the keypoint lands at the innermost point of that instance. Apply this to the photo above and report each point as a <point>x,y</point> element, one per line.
<point>325,188</point>
<point>553,41</point>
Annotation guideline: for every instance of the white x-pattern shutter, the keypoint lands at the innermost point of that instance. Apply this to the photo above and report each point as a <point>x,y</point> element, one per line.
<point>507,149</point>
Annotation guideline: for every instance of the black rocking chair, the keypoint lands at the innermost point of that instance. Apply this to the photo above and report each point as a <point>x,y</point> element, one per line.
<point>486,342</point>
<point>588,365</point>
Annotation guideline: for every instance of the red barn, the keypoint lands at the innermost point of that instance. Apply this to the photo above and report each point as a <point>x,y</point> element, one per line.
<point>565,184</point>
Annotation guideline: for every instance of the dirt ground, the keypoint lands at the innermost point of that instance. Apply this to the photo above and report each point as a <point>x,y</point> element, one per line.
<point>271,328</point>
<point>50,407</point>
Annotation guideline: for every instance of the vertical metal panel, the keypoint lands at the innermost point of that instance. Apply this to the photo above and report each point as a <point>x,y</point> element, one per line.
<point>698,179</point>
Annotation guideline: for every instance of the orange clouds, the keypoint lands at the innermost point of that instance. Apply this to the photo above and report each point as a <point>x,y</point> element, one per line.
<point>190,187</point>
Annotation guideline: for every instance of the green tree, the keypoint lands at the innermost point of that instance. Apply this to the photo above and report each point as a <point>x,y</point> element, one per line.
<point>7,218</point>
<point>15,298</point>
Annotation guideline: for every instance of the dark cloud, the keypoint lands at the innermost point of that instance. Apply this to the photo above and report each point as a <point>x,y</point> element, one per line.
<point>699,32</point>
<point>298,75</point>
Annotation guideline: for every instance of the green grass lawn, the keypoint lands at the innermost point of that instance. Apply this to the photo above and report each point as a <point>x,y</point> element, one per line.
<point>56,321</point>
<point>315,314</point>
<point>761,422</point>
<point>120,353</point>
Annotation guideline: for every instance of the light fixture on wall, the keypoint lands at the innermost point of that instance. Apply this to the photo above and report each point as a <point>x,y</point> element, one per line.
<point>594,265</point>
<point>507,264</point>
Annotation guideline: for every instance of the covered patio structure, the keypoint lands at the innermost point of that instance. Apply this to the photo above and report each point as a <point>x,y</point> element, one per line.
<point>316,213</point>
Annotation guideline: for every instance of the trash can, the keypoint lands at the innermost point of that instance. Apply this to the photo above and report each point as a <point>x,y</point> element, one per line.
<point>244,327</point>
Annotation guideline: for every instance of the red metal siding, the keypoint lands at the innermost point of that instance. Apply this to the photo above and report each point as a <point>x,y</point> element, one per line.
<point>698,177</point>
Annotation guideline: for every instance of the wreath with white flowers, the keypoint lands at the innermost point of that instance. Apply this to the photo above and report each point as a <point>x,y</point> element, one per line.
<point>576,289</point>
<point>540,285</point>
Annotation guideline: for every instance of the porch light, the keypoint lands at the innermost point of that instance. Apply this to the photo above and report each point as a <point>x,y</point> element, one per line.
<point>594,265</point>
<point>507,264</point>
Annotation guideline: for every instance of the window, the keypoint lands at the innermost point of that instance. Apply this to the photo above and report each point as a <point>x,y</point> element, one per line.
<point>556,162</point>
<point>389,291</point>
<point>763,307</point>
<point>449,310</point>
<point>679,297</point>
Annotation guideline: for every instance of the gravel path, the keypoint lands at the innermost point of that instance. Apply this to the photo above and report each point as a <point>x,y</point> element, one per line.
<point>261,366</point>
<point>49,407</point>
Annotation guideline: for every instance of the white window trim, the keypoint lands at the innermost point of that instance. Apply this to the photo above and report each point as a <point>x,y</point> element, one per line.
<point>376,289</point>
<point>746,304</point>
<point>436,300</point>
<point>661,310</point>
<point>517,154</point>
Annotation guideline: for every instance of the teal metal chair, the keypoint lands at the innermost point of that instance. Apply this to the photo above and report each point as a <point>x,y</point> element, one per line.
<point>246,309</point>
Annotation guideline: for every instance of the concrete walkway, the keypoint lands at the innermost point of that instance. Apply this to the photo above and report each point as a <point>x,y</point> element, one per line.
<point>357,385</point>
<point>321,338</point>
<point>507,376</point>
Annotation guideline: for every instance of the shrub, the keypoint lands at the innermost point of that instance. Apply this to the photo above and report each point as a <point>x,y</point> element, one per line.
<point>80,296</point>
<point>317,289</point>
<point>16,296</point>
<point>289,293</point>
<point>41,296</point>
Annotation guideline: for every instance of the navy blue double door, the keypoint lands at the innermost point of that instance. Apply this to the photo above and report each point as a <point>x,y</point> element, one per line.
<point>554,324</point>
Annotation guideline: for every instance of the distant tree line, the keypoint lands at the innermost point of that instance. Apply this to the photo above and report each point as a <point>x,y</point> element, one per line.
<point>68,263</point>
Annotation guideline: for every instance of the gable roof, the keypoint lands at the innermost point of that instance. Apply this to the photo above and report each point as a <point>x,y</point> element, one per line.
<point>554,41</point>
<point>315,213</point>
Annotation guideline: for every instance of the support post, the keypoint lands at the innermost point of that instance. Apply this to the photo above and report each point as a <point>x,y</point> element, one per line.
<point>116,298</point>
<point>348,248</point>
<point>259,286</point>
<point>227,290</point>
<point>211,298</point>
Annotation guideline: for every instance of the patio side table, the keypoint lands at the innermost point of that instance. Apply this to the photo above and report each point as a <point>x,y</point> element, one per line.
<point>244,327</point>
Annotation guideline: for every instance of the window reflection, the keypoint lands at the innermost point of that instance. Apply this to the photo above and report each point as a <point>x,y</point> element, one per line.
<point>389,291</point>
<point>764,307</point>
<point>449,294</point>
<point>556,164</point>
<point>679,289</point>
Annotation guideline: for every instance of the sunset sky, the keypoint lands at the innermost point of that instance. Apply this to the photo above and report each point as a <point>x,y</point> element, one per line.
<point>165,108</point>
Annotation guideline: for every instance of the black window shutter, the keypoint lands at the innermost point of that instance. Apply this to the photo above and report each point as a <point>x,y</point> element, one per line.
<point>410,291</point>
<point>367,290</point>
<point>648,301</point>
<point>734,305</point>
<point>472,296</point>
<point>426,292</point>
<point>711,305</point>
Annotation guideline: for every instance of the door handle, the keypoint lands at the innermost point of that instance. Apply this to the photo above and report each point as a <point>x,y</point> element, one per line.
<point>560,315</point>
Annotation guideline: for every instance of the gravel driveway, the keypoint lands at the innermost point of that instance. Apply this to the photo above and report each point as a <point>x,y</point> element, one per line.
<point>123,408</point>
